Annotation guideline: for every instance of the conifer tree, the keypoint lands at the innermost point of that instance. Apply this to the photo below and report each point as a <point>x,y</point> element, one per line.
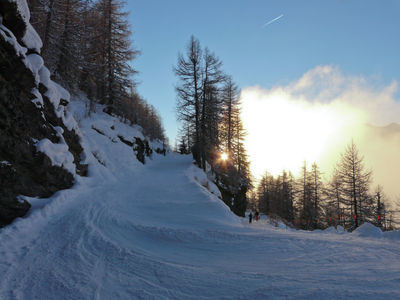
<point>69,61</point>
<point>87,46</point>
<point>305,194</point>
<point>335,203</point>
<point>212,77</point>
<point>189,90</point>
<point>47,18</point>
<point>355,181</point>
<point>200,107</point>
<point>263,193</point>
<point>317,192</point>
<point>116,52</point>
<point>238,150</point>
<point>380,207</point>
<point>230,100</point>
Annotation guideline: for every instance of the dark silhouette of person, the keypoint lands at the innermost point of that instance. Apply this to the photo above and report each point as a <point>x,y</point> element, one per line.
<point>257,215</point>
<point>250,217</point>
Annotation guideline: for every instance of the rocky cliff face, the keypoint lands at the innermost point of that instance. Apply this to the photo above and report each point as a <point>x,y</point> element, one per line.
<point>39,145</point>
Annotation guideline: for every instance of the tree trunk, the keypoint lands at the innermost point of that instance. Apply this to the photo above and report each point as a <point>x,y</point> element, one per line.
<point>47,28</point>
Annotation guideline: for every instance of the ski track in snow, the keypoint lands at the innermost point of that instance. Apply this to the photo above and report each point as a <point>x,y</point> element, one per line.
<point>150,232</point>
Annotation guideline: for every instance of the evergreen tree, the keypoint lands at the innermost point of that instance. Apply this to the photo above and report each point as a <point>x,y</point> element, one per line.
<point>189,90</point>
<point>264,193</point>
<point>335,203</point>
<point>200,107</point>
<point>317,192</point>
<point>87,46</point>
<point>276,196</point>
<point>380,207</point>
<point>230,98</point>
<point>116,52</point>
<point>239,155</point>
<point>69,60</point>
<point>305,203</point>
<point>182,148</point>
<point>355,181</point>
<point>212,77</point>
<point>48,18</point>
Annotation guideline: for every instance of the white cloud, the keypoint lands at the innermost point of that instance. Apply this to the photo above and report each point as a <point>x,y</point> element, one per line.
<point>314,117</point>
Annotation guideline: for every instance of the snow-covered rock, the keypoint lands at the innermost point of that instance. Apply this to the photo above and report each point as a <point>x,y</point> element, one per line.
<point>38,137</point>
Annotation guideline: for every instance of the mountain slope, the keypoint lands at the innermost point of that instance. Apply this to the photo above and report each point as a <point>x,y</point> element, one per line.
<point>134,231</point>
<point>153,231</point>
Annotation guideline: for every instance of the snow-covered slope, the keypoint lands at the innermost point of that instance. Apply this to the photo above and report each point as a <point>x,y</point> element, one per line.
<point>154,231</point>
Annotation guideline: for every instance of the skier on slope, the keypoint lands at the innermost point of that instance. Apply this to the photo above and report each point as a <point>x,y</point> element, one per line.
<point>257,215</point>
<point>250,217</point>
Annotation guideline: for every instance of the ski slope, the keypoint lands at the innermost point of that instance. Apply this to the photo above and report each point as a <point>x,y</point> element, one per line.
<point>133,231</point>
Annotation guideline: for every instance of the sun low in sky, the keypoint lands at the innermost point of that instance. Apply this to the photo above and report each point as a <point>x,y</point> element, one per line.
<point>283,132</point>
<point>263,43</point>
<point>314,118</point>
<point>224,156</point>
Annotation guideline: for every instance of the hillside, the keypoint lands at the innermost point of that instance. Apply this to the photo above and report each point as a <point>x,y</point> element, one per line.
<point>154,231</point>
<point>99,212</point>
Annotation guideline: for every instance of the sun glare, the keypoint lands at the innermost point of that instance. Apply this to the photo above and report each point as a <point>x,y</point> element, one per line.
<point>284,132</point>
<point>224,156</point>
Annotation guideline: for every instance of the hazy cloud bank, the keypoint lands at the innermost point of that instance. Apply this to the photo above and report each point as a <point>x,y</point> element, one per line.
<point>316,116</point>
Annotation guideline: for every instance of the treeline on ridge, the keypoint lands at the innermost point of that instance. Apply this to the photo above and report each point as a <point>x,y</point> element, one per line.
<point>87,46</point>
<point>307,202</point>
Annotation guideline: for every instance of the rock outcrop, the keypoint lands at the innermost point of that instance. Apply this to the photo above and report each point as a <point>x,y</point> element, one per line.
<point>40,152</point>
<point>233,187</point>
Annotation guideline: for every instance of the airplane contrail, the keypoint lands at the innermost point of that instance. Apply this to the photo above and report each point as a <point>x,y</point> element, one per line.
<point>272,21</point>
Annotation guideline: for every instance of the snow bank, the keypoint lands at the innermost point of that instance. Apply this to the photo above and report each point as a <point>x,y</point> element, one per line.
<point>201,178</point>
<point>368,230</point>
<point>110,126</point>
<point>392,235</point>
<point>338,230</point>
<point>106,139</point>
<point>330,230</point>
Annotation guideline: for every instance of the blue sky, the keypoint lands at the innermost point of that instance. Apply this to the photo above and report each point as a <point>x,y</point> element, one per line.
<point>360,37</point>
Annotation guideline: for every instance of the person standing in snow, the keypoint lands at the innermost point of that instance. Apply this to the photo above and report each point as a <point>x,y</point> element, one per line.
<point>257,215</point>
<point>250,217</point>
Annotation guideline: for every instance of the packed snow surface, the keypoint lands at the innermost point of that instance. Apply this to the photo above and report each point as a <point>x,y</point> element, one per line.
<point>154,231</point>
